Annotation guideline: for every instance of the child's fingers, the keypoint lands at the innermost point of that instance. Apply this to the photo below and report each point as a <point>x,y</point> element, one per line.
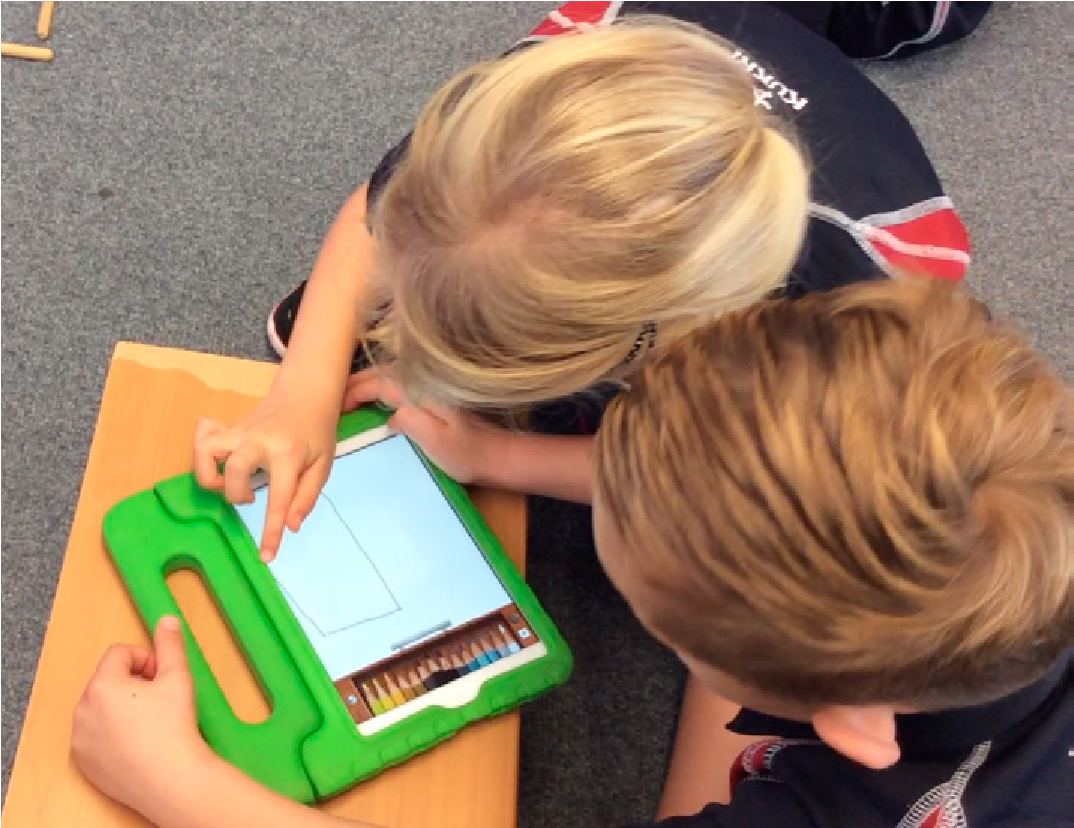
<point>147,668</point>
<point>207,451</point>
<point>122,661</point>
<point>238,470</point>
<point>371,386</point>
<point>169,647</point>
<point>369,374</point>
<point>309,488</point>
<point>283,484</point>
<point>207,427</point>
<point>361,389</point>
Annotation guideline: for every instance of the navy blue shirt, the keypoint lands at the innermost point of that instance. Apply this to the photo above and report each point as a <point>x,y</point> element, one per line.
<point>885,30</point>
<point>1006,764</point>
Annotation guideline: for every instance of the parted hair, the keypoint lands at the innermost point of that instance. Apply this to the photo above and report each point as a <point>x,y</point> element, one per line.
<point>556,201</point>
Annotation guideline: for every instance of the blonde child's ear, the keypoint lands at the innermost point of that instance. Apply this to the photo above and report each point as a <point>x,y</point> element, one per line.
<point>864,734</point>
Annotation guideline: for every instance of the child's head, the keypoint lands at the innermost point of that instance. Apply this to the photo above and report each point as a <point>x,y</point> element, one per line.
<point>862,500</point>
<point>555,201</point>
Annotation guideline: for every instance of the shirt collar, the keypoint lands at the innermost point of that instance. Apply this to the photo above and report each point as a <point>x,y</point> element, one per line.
<point>932,735</point>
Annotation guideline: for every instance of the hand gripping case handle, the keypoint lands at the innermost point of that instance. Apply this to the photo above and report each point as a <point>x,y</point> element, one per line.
<point>148,542</point>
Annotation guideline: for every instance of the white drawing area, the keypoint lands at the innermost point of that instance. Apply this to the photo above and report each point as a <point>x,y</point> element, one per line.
<point>380,562</point>
<point>355,592</point>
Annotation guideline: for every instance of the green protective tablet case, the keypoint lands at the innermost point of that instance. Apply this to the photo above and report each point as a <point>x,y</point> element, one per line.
<point>309,747</point>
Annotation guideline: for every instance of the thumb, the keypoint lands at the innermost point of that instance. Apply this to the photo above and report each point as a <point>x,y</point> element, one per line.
<point>170,647</point>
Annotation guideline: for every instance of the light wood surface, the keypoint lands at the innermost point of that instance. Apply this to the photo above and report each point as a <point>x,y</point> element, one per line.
<point>152,400</point>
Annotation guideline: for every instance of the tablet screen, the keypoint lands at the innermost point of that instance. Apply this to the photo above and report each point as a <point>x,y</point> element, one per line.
<point>383,567</point>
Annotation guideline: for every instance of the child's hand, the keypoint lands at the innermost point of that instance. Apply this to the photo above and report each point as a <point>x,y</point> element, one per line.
<point>135,733</point>
<point>462,444</point>
<point>294,441</point>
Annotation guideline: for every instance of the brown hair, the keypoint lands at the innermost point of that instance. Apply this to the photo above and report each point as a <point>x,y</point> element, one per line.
<point>554,202</point>
<point>864,496</point>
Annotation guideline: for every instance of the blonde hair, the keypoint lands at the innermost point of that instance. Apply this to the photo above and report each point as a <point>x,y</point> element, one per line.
<point>553,202</point>
<point>860,497</point>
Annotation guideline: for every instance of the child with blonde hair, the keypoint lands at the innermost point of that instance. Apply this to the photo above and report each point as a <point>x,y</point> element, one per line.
<point>852,514</point>
<point>560,211</point>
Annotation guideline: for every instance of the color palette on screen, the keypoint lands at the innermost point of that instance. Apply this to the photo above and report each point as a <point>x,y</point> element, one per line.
<point>434,664</point>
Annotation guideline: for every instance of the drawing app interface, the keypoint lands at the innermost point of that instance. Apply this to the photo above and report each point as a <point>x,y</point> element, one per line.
<point>381,563</point>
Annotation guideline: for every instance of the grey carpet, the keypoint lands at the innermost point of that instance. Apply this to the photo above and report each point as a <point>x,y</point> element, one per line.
<point>176,167</point>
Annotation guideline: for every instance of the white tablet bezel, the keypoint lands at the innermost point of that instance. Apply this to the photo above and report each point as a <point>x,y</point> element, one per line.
<point>457,692</point>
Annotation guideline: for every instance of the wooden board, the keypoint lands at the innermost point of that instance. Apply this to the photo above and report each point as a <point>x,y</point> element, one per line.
<point>153,397</point>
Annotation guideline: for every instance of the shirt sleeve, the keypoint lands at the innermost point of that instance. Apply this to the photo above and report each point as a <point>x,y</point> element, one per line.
<point>898,30</point>
<point>882,31</point>
<point>384,171</point>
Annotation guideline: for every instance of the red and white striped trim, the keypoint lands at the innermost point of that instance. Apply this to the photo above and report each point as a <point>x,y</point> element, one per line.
<point>939,20</point>
<point>941,807</point>
<point>755,762</point>
<point>925,238</point>
<point>578,16</point>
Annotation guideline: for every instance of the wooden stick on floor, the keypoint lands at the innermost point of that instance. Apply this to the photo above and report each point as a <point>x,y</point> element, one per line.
<point>18,50</point>
<point>44,20</point>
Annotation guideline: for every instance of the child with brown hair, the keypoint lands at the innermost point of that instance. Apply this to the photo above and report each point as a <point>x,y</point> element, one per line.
<point>852,514</point>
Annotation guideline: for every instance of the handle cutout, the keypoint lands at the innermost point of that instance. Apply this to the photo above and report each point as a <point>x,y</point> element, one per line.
<point>226,660</point>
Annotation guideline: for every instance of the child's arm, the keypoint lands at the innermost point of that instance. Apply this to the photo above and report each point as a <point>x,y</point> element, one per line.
<point>322,343</point>
<point>291,434</point>
<point>226,798</point>
<point>544,464</point>
<point>135,737</point>
<point>472,451</point>
<point>700,769</point>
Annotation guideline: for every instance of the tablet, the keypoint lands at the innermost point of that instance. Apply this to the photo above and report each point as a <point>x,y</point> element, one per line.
<point>388,622</point>
<point>392,590</point>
